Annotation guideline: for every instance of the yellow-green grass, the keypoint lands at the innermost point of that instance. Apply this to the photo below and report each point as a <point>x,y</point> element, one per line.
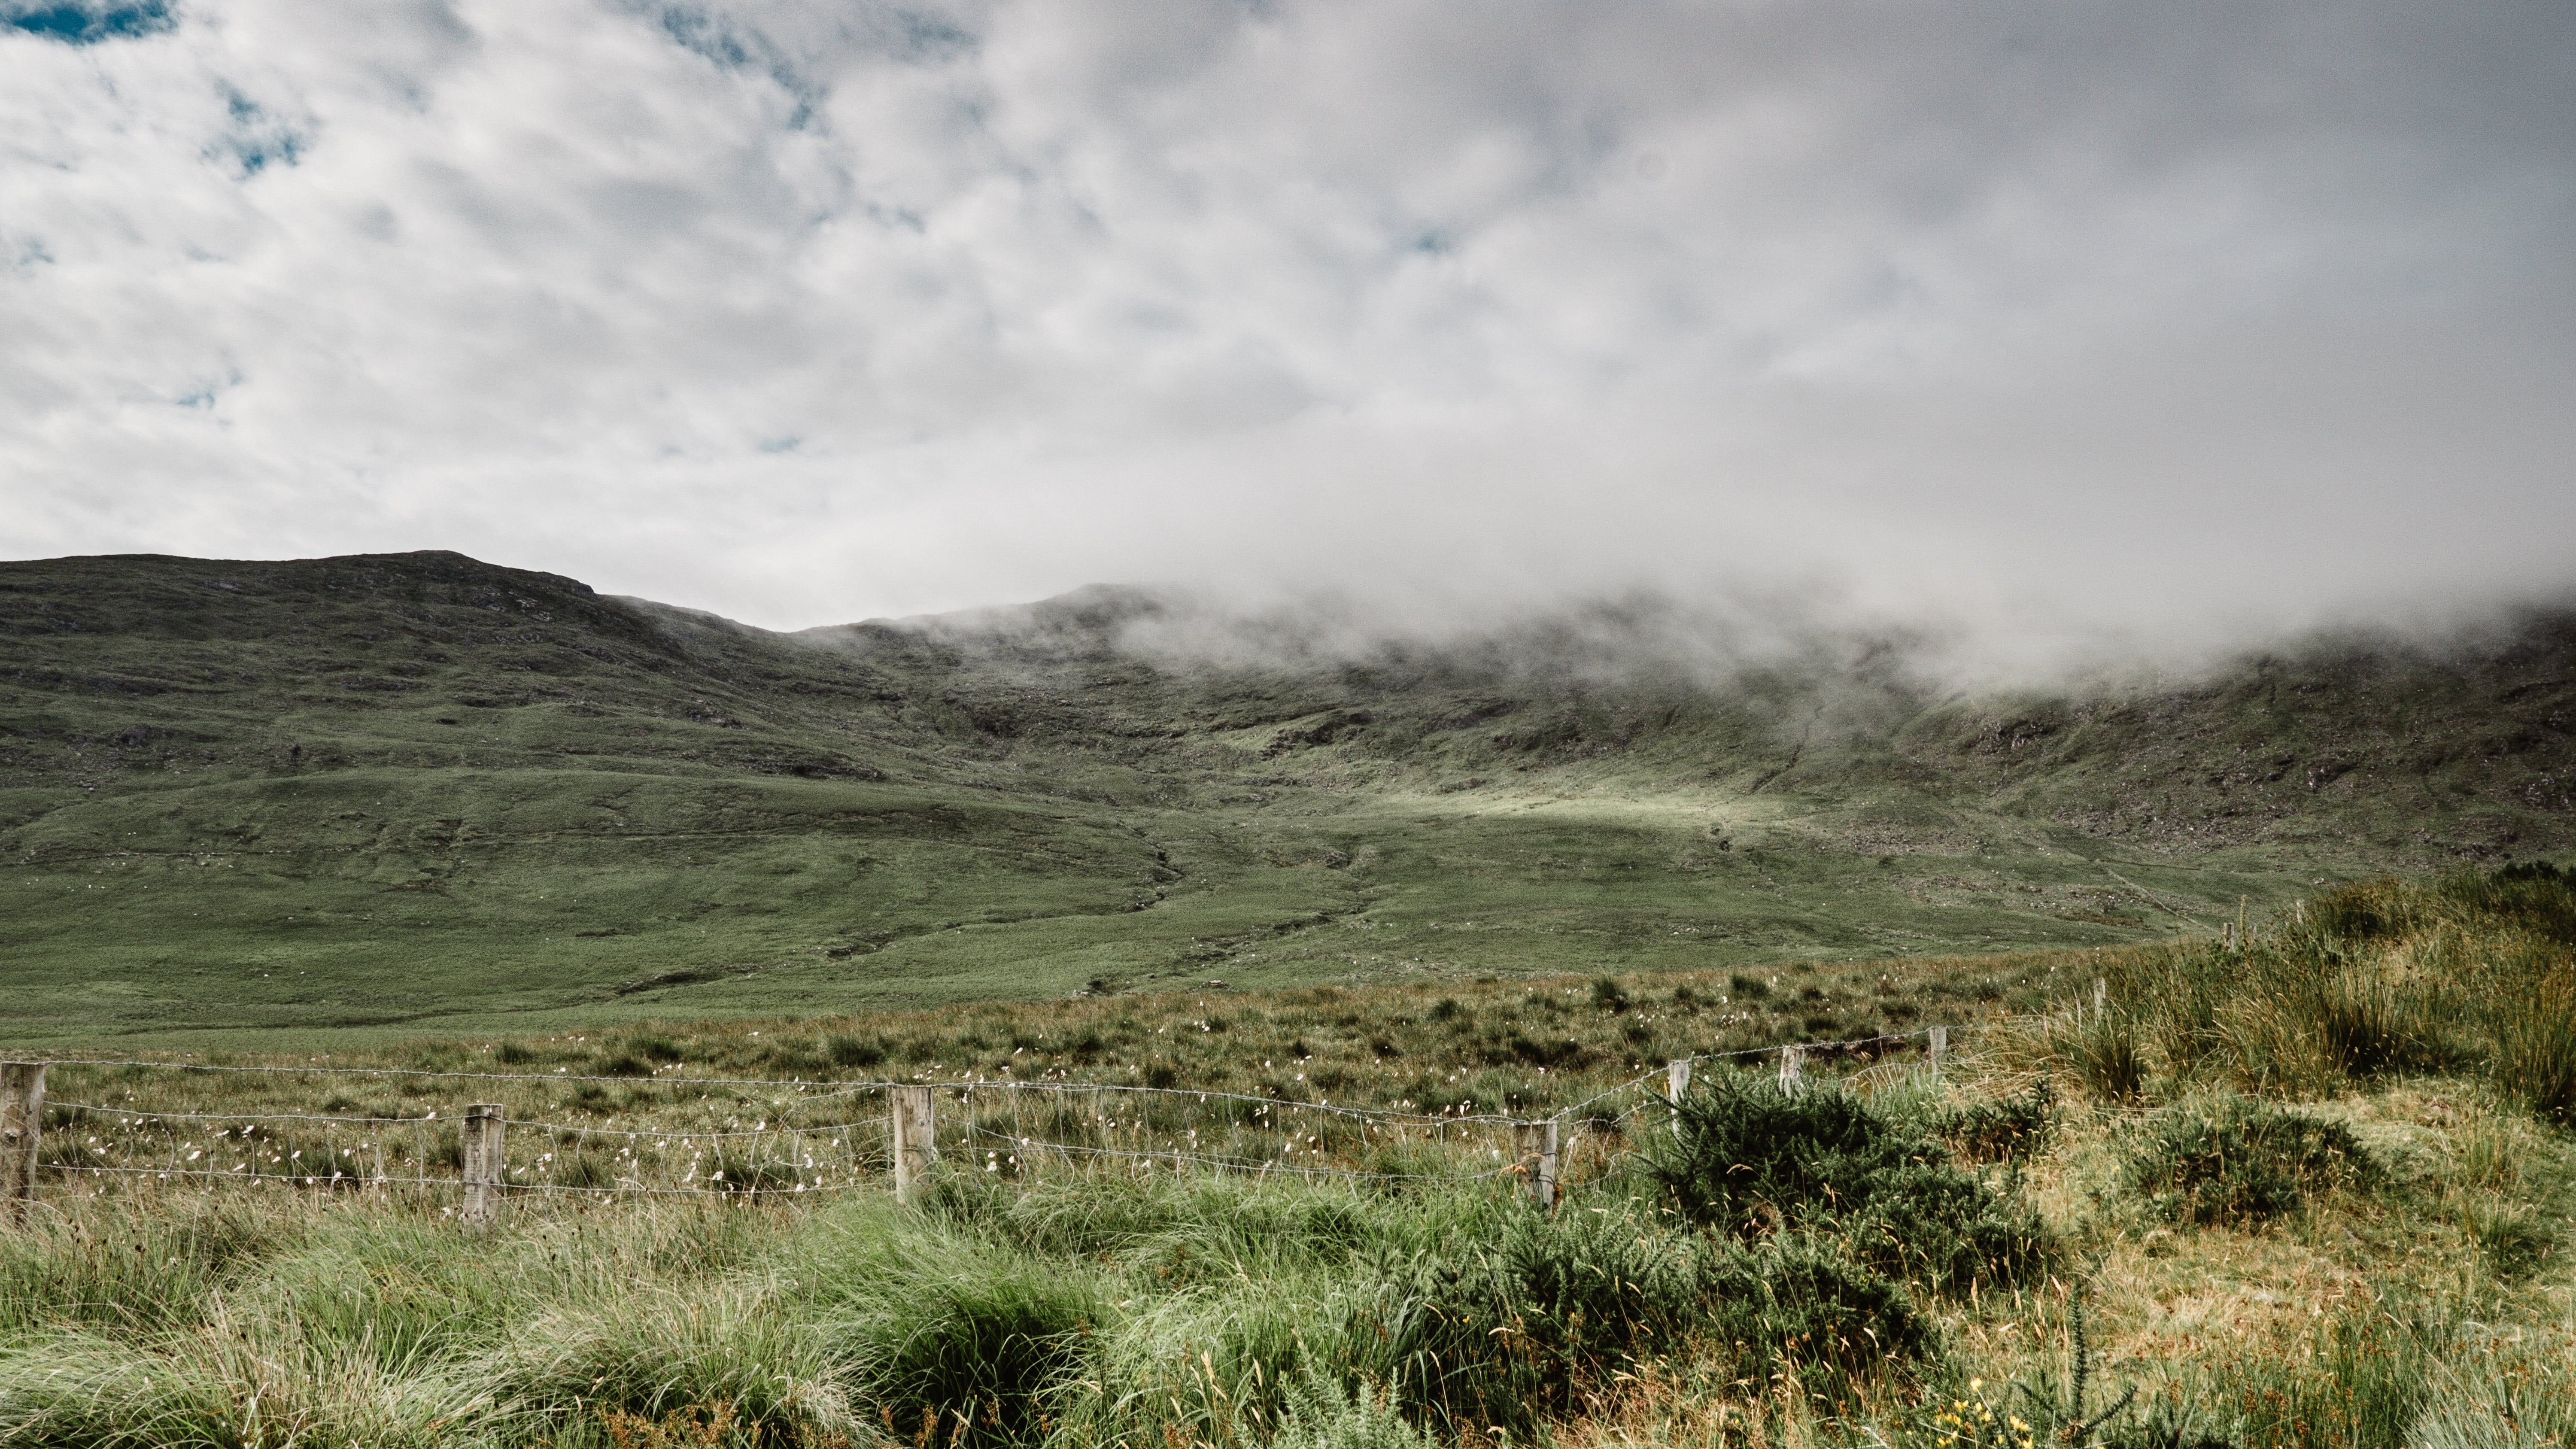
<point>2425,1298</point>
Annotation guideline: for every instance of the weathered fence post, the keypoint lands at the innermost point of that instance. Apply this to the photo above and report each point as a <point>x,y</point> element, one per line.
<point>22,1115</point>
<point>1534,1143</point>
<point>1792,1061</point>
<point>2101,994</point>
<point>914,1121</point>
<point>482,1144</point>
<point>1940,1049</point>
<point>1676,1082</point>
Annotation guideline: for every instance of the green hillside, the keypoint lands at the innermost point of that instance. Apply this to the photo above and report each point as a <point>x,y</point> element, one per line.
<point>379,795</point>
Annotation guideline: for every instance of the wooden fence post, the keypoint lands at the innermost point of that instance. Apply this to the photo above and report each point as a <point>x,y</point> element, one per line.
<point>1940,1049</point>
<point>913,1120</point>
<point>2101,994</point>
<point>22,1115</point>
<point>1677,1081</point>
<point>1534,1143</point>
<point>1792,1060</point>
<point>482,1144</point>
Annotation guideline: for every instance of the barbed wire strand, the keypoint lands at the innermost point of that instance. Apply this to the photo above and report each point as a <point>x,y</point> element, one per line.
<point>999,1084</point>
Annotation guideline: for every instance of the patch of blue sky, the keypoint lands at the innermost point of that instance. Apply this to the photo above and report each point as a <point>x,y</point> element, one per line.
<point>734,43</point>
<point>737,48</point>
<point>927,38</point>
<point>257,139</point>
<point>88,24</point>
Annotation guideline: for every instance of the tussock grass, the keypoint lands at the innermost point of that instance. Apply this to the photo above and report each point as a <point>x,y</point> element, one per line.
<point>2318,1237</point>
<point>2361,984</point>
<point>2230,1160</point>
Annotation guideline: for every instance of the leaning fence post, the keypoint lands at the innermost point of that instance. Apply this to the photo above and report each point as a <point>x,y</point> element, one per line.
<point>22,1115</point>
<point>914,1122</point>
<point>1534,1144</point>
<point>1792,1059</point>
<point>482,1144</point>
<point>1940,1049</point>
<point>1676,1082</point>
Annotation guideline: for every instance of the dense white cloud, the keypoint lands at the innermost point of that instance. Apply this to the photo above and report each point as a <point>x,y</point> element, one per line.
<point>2060,318</point>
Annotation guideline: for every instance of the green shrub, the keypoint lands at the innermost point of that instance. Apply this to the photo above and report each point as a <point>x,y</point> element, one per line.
<point>1328,1416</point>
<point>1751,1157</point>
<point>1515,1329</point>
<point>1322,1414</point>
<point>653,1048</point>
<point>1796,1303</point>
<point>854,1052</point>
<point>2241,1161</point>
<point>2009,1129</point>
<point>1753,1160</point>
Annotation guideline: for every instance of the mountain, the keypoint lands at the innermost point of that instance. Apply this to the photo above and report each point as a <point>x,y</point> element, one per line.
<point>365,795</point>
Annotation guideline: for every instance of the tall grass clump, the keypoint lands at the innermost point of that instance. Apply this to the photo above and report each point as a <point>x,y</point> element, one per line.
<point>226,1382</point>
<point>132,1273</point>
<point>2357,984</point>
<point>674,1352</point>
<point>969,1348</point>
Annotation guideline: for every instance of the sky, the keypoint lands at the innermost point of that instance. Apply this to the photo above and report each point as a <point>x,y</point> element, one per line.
<point>2064,323</point>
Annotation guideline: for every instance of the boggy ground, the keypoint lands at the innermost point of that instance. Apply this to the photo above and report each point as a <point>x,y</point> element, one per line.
<point>2308,1186</point>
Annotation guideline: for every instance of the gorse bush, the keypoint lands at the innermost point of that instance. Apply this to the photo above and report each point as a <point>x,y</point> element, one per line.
<point>1800,1302</point>
<point>1754,1160</point>
<point>2239,1161</point>
<point>1322,1414</point>
<point>2006,1129</point>
<point>1518,1330</point>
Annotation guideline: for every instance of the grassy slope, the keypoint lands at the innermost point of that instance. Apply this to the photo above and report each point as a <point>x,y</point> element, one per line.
<point>2430,1303</point>
<point>379,796</point>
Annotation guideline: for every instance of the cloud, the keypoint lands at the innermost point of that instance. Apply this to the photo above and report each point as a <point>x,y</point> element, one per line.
<point>2056,322</point>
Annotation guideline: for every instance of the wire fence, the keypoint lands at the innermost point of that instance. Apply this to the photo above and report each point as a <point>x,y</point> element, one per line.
<point>117,1128</point>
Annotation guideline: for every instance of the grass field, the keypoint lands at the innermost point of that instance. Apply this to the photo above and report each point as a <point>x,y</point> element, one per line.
<point>549,912</point>
<point>2312,1184</point>
<point>348,800</point>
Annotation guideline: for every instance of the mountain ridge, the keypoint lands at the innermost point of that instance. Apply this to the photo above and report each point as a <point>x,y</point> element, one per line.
<point>565,794</point>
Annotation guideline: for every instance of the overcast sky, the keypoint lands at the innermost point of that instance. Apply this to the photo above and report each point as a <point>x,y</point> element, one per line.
<point>2172,321</point>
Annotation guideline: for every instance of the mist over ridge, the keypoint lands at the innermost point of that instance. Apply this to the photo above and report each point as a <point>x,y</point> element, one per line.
<point>2042,334</point>
<point>1646,636</point>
